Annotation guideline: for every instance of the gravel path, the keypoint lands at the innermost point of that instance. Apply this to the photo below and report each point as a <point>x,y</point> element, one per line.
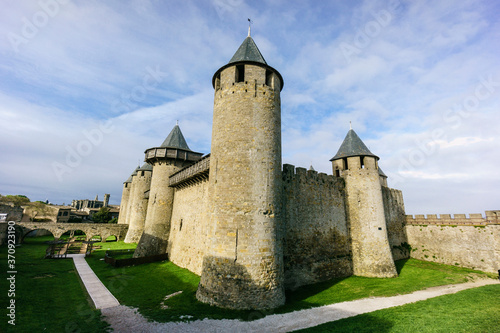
<point>126,319</point>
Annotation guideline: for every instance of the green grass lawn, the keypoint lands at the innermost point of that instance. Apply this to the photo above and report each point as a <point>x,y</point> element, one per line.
<point>48,293</point>
<point>50,298</point>
<point>473,310</point>
<point>145,287</point>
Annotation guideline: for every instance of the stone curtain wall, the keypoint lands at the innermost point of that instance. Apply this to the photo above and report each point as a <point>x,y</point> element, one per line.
<point>188,230</point>
<point>395,218</point>
<point>469,242</point>
<point>316,246</point>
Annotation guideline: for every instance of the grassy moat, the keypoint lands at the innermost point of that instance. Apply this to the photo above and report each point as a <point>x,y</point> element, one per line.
<point>49,296</point>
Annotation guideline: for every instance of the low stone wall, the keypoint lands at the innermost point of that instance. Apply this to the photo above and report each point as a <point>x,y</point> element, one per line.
<point>473,246</point>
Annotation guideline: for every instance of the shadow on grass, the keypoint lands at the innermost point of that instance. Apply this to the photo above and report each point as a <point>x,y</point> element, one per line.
<point>400,264</point>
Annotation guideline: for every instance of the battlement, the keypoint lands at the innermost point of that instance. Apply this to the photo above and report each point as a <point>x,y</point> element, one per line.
<point>191,174</point>
<point>290,172</point>
<point>492,217</point>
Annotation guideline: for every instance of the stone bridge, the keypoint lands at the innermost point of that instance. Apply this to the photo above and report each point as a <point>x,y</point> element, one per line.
<point>57,229</point>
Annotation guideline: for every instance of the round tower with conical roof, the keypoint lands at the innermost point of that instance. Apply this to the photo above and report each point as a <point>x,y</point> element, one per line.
<point>243,268</point>
<point>371,252</point>
<point>171,156</point>
<point>122,217</point>
<point>138,203</point>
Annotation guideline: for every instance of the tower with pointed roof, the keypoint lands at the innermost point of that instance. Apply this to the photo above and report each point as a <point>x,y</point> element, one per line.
<point>371,252</point>
<point>171,156</point>
<point>138,203</point>
<point>243,266</point>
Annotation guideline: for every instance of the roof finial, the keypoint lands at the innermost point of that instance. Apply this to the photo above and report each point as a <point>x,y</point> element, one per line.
<point>249,23</point>
<point>350,124</point>
<point>177,123</point>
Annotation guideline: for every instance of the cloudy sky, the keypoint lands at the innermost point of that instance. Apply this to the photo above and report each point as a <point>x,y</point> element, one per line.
<point>87,86</point>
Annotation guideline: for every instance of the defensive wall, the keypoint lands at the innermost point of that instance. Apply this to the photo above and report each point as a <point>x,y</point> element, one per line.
<point>315,227</point>
<point>472,241</point>
<point>189,229</point>
<point>316,245</point>
<point>395,217</point>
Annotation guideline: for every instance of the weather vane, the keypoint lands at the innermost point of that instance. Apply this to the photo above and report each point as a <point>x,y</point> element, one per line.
<point>249,24</point>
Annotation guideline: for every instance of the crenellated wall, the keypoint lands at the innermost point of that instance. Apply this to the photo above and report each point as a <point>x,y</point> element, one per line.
<point>492,217</point>
<point>316,245</point>
<point>188,230</point>
<point>472,242</point>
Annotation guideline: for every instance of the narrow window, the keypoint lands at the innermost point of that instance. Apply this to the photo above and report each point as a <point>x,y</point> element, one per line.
<point>269,78</point>
<point>180,226</point>
<point>240,73</point>
<point>217,82</point>
<point>362,161</point>
<point>337,172</point>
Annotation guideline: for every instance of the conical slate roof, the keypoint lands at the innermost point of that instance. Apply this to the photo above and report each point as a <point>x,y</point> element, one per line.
<point>381,173</point>
<point>248,51</point>
<point>129,180</point>
<point>146,167</point>
<point>352,146</point>
<point>135,171</point>
<point>175,140</point>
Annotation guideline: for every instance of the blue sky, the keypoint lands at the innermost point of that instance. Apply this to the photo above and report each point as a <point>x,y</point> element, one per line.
<point>87,86</point>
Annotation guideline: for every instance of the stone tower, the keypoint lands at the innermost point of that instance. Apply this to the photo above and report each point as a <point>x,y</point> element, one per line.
<point>166,159</point>
<point>131,195</point>
<point>122,217</point>
<point>106,200</point>
<point>371,252</point>
<point>243,267</point>
<point>138,203</point>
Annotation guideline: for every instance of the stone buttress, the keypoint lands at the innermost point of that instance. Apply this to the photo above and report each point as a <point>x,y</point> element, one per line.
<point>243,266</point>
<point>371,252</point>
<point>138,203</point>
<point>171,156</point>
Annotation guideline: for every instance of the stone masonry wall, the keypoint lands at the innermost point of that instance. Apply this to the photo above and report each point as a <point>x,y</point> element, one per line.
<point>316,245</point>
<point>188,230</point>
<point>469,242</point>
<point>14,213</point>
<point>395,218</point>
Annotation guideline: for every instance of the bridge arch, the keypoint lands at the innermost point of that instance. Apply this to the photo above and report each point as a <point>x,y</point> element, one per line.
<point>30,232</point>
<point>90,229</point>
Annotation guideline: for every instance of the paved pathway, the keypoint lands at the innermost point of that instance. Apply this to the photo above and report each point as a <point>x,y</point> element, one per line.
<point>100,295</point>
<point>126,319</point>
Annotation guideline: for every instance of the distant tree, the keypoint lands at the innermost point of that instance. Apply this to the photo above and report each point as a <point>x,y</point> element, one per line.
<point>102,216</point>
<point>113,220</point>
<point>17,200</point>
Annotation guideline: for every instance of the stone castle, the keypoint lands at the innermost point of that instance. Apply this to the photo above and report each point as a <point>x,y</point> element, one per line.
<point>250,226</point>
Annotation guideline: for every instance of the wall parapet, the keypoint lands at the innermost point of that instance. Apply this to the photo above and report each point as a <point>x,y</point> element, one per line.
<point>307,176</point>
<point>192,173</point>
<point>492,217</point>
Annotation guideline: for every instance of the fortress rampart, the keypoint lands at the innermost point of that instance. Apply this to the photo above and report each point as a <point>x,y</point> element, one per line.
<point>472,241</point>
<point>316,246</point>
<point>492,217</point>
